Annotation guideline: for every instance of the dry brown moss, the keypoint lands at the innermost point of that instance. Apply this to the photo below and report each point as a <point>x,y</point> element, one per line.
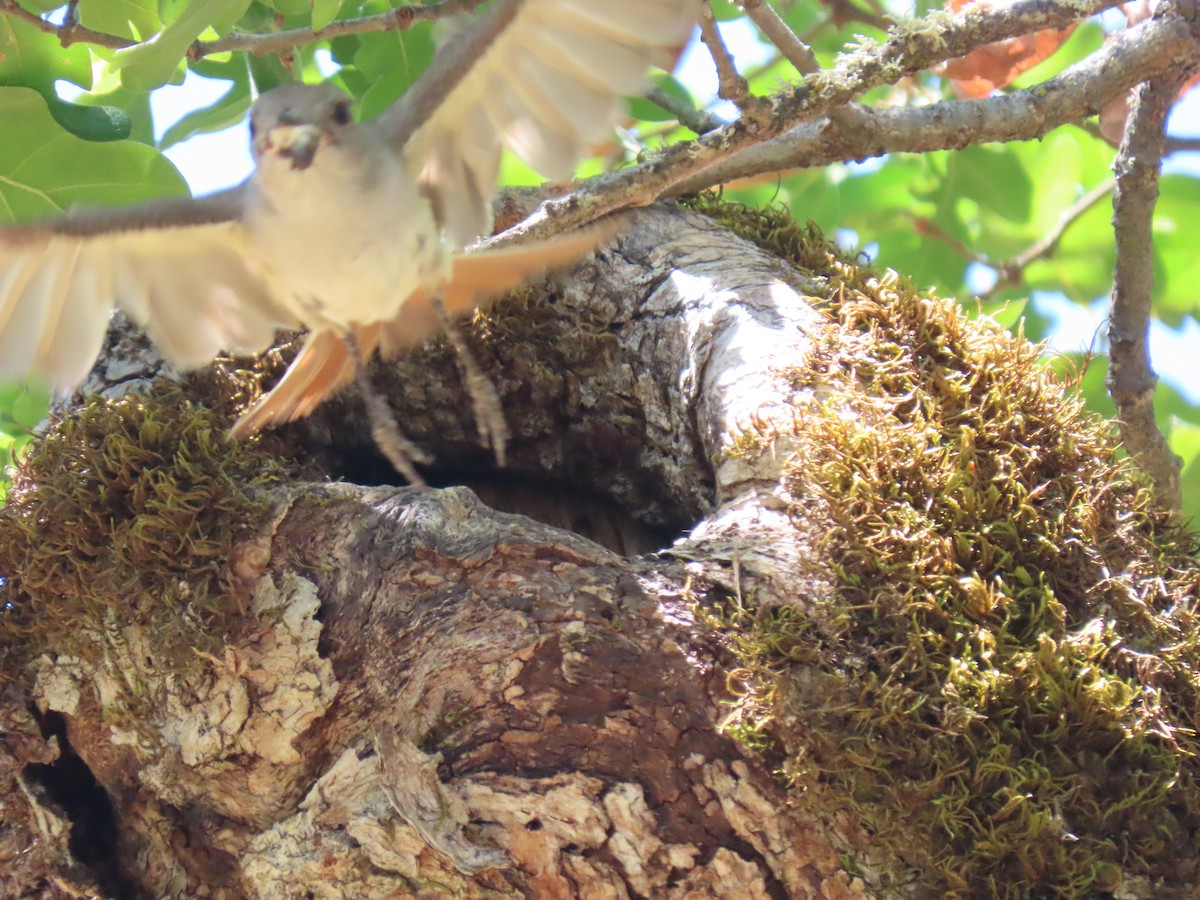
<point>128,511</point>
<point>1004,686</point>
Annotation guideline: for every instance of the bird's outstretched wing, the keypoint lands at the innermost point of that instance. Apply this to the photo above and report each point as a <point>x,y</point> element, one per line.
<point>175,266</point>
<point>543,78</point>
<point>325,363</point>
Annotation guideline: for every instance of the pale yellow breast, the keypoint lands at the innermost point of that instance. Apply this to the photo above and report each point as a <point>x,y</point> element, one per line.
<point>341,247</point>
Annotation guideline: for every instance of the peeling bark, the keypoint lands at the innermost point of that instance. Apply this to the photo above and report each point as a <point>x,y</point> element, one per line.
<point>511,710</point>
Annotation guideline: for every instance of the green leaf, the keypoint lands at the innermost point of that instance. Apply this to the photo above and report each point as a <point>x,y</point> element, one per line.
<point>222,67</point>
<point>92,123</point>
<point>1063,168</point>
<point>29,407</point>
<point>324,12</point>
<point>44,169</point>
<point>515,172</point>
<point>290,7</point>
<point>1081,265</point>
<point>889,189</point>
<point>993,177</point>
<point>226,112</point>
<point>392,61</point>
<point>153,63</point>
<point>814,197</point>
<point>17,412</point>
<point>40,6</point>
<point>1170,404</point>
<point>133,19</point>
<point>267,71</point>
<point>724,9</point>
<point>802,17</point>
<point>135,104</point>
<point>1177,270</point>
<point>30,58</point>
<point>1184,438</point>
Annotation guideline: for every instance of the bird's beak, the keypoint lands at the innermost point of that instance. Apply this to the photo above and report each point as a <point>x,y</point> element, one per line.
<point>299,143</point>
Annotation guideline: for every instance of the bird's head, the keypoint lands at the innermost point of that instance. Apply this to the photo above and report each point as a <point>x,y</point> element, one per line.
<point>293,121</point>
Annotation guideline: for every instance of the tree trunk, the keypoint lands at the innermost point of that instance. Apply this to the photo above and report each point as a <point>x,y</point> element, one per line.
<point>376,691</point>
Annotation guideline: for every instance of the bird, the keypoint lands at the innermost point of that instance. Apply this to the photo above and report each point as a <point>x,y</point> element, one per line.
<point>361,232</point>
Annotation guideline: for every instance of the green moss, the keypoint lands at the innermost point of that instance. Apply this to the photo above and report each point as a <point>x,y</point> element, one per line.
<point>1002,682</point>
<point>128,512</point>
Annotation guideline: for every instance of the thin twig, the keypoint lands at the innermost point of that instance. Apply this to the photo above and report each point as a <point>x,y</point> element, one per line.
<point>932,229</point>
<point>1011,272</point>
<point>780,34</point>
<point>401,18</point>
<point>1017,115</point>
<point>1130,380</point>
<point>1047,244</point>
<point>71,32</point>
<point>731,85</point>
<point>1181,145</point>
<point>794,50</point>
<point>699,120</point>
<point>843,11</point>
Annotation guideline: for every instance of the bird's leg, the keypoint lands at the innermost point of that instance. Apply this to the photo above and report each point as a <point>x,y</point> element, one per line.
<point>401,452</point>
<point>485,402</point>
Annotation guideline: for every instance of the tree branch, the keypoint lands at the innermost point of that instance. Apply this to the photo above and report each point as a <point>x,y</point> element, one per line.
<point>1181,145</point>
<point>1028,114</point>
<point>1130,380</point>
<point>699,120</point>
<point>70,32</point>
<point>401,18</point>
<point>1155,45</point>
<point>1011,271</point>
<point>781,35</point>
<point>731,85</point>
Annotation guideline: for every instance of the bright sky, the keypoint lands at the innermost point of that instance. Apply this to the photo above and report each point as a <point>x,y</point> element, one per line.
<point>213,161</point>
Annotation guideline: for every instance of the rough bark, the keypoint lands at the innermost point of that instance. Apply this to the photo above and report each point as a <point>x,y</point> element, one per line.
<point>427,697</point>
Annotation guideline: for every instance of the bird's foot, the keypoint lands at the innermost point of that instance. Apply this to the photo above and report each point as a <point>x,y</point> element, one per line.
<point>400,451</point>
<point>485,401</point>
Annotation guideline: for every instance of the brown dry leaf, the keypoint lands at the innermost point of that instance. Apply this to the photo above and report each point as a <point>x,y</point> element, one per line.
<point>997,65</point>
<point>1112,118</point>
<point>1116,111</point>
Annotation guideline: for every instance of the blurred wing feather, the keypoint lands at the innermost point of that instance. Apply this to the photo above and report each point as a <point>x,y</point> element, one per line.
<point>176,267</point>
<point>543,78</point>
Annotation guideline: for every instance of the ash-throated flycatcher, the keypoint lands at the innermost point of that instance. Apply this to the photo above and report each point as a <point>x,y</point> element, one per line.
<point>352,230</point>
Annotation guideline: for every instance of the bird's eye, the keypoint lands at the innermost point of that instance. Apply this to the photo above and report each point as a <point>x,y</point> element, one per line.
<point>341,113</point>
<point>253,128</point>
